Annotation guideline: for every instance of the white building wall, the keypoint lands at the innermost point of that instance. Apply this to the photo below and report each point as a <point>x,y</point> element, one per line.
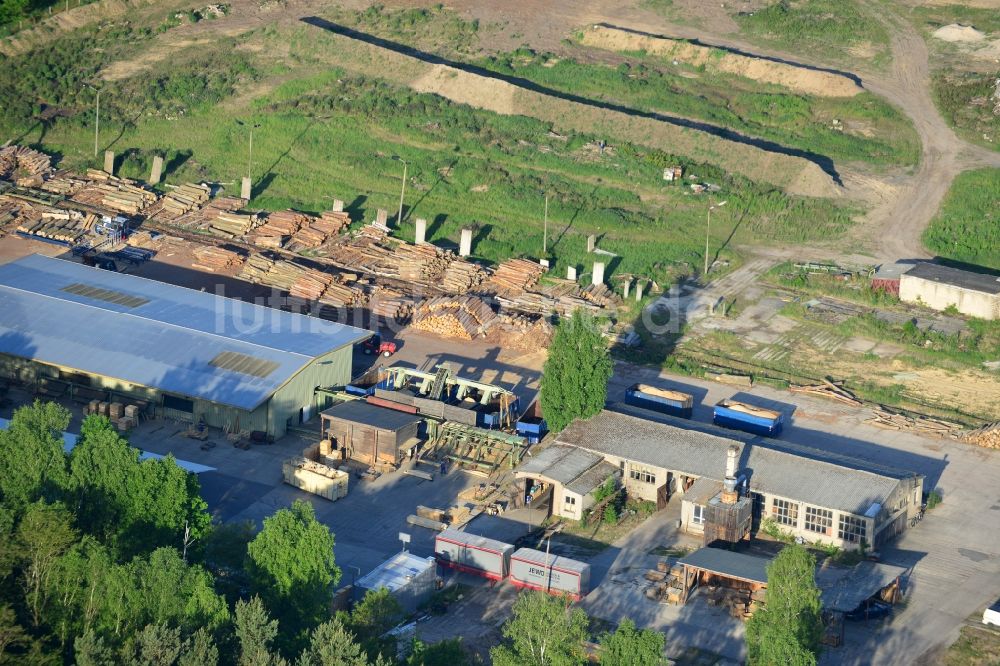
<point>940,296</point>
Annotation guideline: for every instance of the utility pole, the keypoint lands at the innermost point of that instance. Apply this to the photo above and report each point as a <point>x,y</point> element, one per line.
<point>545,229</point>
<point>402,192</point>
<point>708,227</point>
<point>250,153</point>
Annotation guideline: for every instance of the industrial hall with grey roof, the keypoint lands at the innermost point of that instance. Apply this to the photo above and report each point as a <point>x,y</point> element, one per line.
<point>808,492</point>
<point>190,354</point>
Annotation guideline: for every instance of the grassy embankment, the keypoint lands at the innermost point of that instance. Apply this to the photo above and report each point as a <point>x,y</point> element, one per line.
<point>967,228</point>
<point>876,132</point>
<point>825,29</point>
<point>330,133</point>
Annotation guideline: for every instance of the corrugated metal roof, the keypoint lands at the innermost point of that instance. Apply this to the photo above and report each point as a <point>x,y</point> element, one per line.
<point>592,479</point>
<point>983,282</point>
<point>578,470</point>
<point>474,540</point>
<point>396,572</point>
<point>844,589</point>
<point>168,342</point>
<point>359,411</point>
<point>779,468</point>
<point>729,563</point>
<point>702,490</point>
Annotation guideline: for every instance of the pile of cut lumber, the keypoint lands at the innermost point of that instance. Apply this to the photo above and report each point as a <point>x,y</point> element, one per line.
<point>521,332</point>
<point>599,294</point>
<point>230,224</point>
<point>64,183</point>
<point>419,262</point>
<point>216,258</point>
<point>57,224</point>
<point>465,318</point>
<point>829,390</point>
<point>20,162</point>
<point>988,436</point>
<point>278,228</point>
<point>117,194</point>
<point>390,304</point>
<point>185,198</point>
<point>300,282</point>
<point>461,277</point>
<point>318,230</point>
<point>883,417</point>
<point>515,276</point>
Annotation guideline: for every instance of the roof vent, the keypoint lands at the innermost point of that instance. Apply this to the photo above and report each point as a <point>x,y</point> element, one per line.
<point>107,295</point>
<point>244,364</point>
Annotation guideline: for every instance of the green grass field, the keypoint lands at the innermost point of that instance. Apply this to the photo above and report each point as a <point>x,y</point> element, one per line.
<point>882,135</point>
<point>827,29</point>
<point>967,228</point>
<point>964,101</point>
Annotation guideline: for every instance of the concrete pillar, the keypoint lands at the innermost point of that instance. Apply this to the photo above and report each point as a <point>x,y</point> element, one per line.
<point>381,217</point>
<point>109,161</point>
<point>465,248</point>
<point>591,242</point>
<point>544,263</point>
<point>571,273</point>
<point>421,232</point>
<point>154,176</point>
<point>245,189</point>
<point>628,288</point>
<point>338,206</point>
<point>598,276</point>
<point>638,290</point>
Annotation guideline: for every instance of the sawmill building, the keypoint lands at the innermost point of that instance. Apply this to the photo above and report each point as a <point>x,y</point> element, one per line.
<point>816,495</point>
<point>68,330</point>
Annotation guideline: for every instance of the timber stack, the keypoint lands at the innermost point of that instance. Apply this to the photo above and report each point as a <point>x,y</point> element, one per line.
<point>390,304</point>
<point>987,437</point>
<point>461,277</point>
<point>464,318</point>
<point>828,390</point>
<point>19,163</point>
<point>116,194</point>
<point>63,183</point>
<point>883,417</point>
<point>184,199</point>
<point>515,276</point>
<point>212,259</point>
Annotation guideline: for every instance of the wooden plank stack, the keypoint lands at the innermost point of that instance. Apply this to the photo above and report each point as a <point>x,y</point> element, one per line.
<point>212,259</point>
<point>515,276</point>
<point>883,417</point>
<point>184,199</point>
<point>988,436</point>
<point>464,318</point>
<point>828,390</point>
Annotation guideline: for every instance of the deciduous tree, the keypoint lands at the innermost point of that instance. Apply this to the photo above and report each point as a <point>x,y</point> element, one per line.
<point>256,632</point>
<point>544,631</point>
<point>628,646</point>
<point>32,456</point>
<point>292,567</point>
<point>45,533</point>
<point>788,628</point>
<point>575,377</point>
<point>331,644</point>
<point>12,635</point>
<point>376,613</point>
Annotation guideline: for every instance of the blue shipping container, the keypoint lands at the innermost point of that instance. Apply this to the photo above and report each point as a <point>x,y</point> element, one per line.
<point>681,407</point>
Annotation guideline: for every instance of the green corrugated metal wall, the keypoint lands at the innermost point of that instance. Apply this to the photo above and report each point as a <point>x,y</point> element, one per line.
<point>333,369</point>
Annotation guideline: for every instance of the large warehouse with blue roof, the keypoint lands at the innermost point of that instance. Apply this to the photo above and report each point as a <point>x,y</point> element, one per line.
<point>192,355</point>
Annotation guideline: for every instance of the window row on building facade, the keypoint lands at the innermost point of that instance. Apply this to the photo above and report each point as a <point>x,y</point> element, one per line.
<point>849,528</point>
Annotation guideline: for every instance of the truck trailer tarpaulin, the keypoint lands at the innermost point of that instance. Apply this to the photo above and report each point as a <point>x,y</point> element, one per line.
<point>473,554</point>
<point>550,573</point>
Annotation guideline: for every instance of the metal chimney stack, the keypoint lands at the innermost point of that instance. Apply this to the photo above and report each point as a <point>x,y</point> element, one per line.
<point>729,493</point>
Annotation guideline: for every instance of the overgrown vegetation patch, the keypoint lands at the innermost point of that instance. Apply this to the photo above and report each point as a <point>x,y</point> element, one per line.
<point>970,102</point>
<point>967,228</point>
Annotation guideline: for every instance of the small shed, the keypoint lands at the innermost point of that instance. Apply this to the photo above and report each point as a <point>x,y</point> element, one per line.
<point>410,579</point>
<point>717,566</point>
<point>887,276</point>
<point>370,434</point>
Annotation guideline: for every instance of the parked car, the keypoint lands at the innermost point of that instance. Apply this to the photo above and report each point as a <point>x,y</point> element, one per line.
<point>870,610</point>
<point>992,614</point>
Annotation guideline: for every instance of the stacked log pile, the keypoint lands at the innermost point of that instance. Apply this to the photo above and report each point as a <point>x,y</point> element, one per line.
<point>988,436</point>
<point>924,425</point>
<point>115,194</point>
<point>599,294</point>
<point>55,223</point>
<point>63,183</point>
<point>229,224</point>
<point>277,228</point>
<point>391,304</point>
<point>461,277</point>
<point>315,231</point>
<point>18,162</point>
<point>301,282</point>
<point>464,318</point>
<point>419,263</point>
<point>515,276</point>
<point>214,259</point>
<point>184,199</point>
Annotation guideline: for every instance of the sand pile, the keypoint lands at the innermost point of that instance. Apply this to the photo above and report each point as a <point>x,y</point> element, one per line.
<point>959,33</point>
<point>799,79</point>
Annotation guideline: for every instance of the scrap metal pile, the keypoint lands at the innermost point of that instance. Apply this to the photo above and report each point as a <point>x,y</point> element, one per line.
<point>315,258</point>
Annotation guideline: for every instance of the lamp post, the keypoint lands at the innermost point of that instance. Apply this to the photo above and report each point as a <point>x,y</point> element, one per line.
<point>97,116</point>
<point>545,229</point>
<point>402,192</point>
<point>708,227</point>
<point>250,154</point>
